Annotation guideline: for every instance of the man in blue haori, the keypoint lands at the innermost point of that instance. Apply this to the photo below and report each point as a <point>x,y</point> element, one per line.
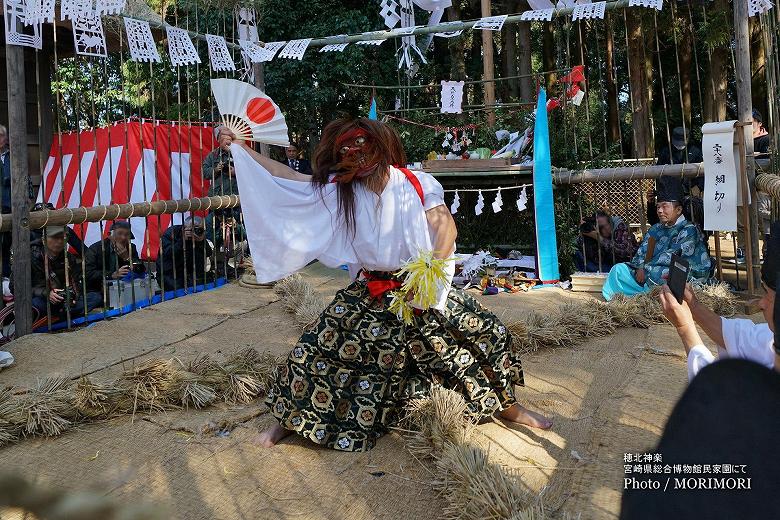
<point>672,235</point>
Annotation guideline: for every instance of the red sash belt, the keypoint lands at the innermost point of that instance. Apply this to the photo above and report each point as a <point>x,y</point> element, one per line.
<point>378,287</point>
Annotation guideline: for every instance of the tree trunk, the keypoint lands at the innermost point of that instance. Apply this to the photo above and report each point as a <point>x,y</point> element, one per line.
<point>613,119</point>
<point>457,48</point>
<point>524,59</point>
<point>685,48</point>
<point>716,81</point>
<point>640,87</point>
<point>758,66</point>
<point>510,89</point>
<point>548,54</point>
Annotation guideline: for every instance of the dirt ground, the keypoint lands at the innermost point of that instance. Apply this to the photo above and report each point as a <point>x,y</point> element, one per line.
<point>608,397</point>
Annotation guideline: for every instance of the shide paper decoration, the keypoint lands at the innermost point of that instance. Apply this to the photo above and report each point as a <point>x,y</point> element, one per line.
<point>522,200</point>
<point>69,9</point>
<point>38,11</point>
<point>370,42</point>
<point>539,15</point>
<point>455,203</point>
<point>491,23</point>
<point>88,36</point>
<point>104,7</point>
<point>654,4</point>
<point>219,55</point>
<point>756,7</point>
<point>13,15</point>
<point>408,43</point>
<point>451,97</point>
<point>140,41</point>
<point>498,203</point>
<point>295,49</point>
<point>480,204</point>
<point>540,5</point>
<point>246,24</point>
<point>180,47</point>
<point>589,11</point>
<point>389,13</point>
<point>334,47</point>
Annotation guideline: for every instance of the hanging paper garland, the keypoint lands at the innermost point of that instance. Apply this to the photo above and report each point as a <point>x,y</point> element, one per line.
<point>295,49</point>
<point>13,11</point>
<point>522,200</point>
<point>455,203</point>
<point>491,23</point>
<point>180,47</point>
<point>656,4</point>
<point>480,204</point>
<point>88,36</point>
<point>140,41</point>
<point>219,55</point>
<point>38,12</point>
<point>105,7</point>
<point>389,13</point>
<point>589,11</point>
<point>539,15</point>
<point>498,202</point>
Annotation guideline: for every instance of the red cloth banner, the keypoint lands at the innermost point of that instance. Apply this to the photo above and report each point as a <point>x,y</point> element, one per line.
<point>127,162</point>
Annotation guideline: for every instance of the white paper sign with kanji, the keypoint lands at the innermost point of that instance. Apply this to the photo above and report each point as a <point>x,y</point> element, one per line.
<point>451,97</point>
<point>140,41</point>
<point>180,47</point>
<point>88,36</point>
<point>721,179</point>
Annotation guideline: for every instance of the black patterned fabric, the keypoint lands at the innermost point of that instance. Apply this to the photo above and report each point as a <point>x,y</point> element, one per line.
<point>346,381</point>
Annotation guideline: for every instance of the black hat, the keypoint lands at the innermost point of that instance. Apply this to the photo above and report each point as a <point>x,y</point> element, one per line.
<point>122,224</point>
<point>771,264</point>
<point>669,189</point>
<point>679,137</point>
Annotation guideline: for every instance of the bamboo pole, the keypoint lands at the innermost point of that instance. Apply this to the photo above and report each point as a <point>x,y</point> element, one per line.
<point>626,173</point>
<point>488,68</point>
<point>18,221</point>
<point>745,112</point>
<point>66,216</point>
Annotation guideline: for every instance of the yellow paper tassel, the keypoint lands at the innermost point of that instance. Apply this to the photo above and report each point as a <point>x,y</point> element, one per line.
<point>423,275</point>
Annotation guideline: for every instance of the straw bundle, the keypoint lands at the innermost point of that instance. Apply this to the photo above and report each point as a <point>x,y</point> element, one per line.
<point>152,386</point>
<point>717,297</point>
<point>626,312</point>
<point>475,488</point>
<point>300,299</point>
<point>588,319</point>
<point>433,422</point>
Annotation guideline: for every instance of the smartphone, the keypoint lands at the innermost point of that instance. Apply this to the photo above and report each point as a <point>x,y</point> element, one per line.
<point>678,277</point>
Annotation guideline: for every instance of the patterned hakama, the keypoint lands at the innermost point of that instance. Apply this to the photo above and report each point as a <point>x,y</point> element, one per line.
<point>346,381</point>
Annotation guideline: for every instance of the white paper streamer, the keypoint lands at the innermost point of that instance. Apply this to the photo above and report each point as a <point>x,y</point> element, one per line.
<point>370,42</point>
<point>540,15</point>
<point>498,202</point>
<point>13,14</point>
<point>88,36</point>
<point>491,23</point>
<point>246,24</point>
<point>389,13</point>
<point>480,204</point>
<point>334,47</point>
<point>219,55</point>
<point>109,6</point>
<point>654,4</point>
<point>70,8</point>
<point>180,47</point>
<point>522,200</point>
<point>38,11</point>
<point>589,11</point>
<point>455,203</point>
<point>452,34</point>
<point>540,5</point>
<point>140,41</point>
<point>295,49</point>
<point>756,7</point>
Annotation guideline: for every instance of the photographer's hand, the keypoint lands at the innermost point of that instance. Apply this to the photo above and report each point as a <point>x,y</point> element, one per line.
<point>680,316</point>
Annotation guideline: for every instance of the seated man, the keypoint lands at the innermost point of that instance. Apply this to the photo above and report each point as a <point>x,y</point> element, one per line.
<point>736,338</point>
<point>112,258</point>
<point>56,278</point>
<point>603,242</point>
<point>75,245</point>
<point>649,267</point>
<point>184,252</point>
<point>218,169</point>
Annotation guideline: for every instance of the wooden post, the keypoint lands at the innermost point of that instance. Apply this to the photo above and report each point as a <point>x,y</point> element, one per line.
<point>488,67</point>
<point>745,114</point>
<point>20,208</point>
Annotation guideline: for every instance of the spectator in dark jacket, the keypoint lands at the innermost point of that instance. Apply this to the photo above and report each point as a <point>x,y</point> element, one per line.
<point>56,278</point>
<point>75,245</point>
<point>112,258</point>
<point>295,162</point>
<point>184,251</point>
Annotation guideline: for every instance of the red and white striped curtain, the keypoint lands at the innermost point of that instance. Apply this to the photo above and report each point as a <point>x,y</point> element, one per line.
<point>127,162</point>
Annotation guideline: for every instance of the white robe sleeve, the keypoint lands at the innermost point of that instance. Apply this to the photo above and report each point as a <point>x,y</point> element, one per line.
<point>288,223</point>
<point>747,340</point>
<point>698,358</point>
<point>432,190</point>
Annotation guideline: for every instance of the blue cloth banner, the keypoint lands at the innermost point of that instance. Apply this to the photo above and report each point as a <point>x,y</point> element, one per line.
<point>544,207</point>
<point>372,110</point>
<point>113,313</point>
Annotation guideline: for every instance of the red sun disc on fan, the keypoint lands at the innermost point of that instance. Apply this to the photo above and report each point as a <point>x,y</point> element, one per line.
<point>260,110</point>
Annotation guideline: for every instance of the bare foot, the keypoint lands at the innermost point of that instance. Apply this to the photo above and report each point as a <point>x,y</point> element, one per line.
<point>522,415</point>
<point>271,436</point>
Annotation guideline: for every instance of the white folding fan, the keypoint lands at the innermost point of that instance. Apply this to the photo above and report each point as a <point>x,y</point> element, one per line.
<point>249,113</point>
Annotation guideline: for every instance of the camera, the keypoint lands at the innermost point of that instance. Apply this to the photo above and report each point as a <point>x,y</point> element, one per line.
<point>589,225</point>
<point>198,231</point>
